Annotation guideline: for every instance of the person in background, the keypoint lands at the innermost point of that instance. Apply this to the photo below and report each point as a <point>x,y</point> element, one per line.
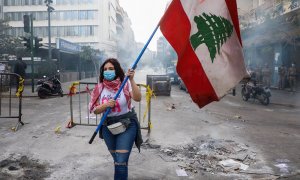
<point>282,75</point>
<point>19,69</point>
<point>122,116</point>
<point>258,74</point>
<point>292,77</point>
<point>266,75</point>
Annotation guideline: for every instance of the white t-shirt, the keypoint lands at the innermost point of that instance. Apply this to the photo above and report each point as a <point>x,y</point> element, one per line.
<point>121,103</point>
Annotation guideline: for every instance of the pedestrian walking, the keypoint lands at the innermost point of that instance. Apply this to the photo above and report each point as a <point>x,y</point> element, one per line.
<point>292,77</point>
<point>19,69</point>
<point>266,75</point>
<point>121,127</point>
<point>282,75</point>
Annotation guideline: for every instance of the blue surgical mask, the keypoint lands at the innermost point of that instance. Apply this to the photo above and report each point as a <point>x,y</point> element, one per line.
<point>109,75</point>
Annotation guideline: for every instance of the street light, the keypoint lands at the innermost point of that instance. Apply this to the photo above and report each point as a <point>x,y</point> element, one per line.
<point>49,9</point>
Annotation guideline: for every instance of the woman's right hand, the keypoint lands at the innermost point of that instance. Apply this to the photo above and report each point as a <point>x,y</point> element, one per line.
<point>111,103</point>
<point>101,108</point>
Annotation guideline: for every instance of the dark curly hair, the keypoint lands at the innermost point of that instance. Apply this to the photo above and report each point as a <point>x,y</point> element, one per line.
<point>118,69</point>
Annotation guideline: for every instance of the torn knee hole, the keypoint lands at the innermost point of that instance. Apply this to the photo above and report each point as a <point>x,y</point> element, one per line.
<point>120,164</point>
<point>122,151</point>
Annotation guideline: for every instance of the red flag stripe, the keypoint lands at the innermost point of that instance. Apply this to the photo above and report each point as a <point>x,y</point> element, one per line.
<point>232,8</point>
<point>176,28</point>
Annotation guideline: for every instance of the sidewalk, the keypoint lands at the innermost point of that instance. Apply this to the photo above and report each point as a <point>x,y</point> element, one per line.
<point>65,87</point>
<point>279,97</point>
<point>285,97</point>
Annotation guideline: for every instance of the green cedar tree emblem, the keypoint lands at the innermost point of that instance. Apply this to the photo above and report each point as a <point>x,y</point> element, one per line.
<point>213,31</point>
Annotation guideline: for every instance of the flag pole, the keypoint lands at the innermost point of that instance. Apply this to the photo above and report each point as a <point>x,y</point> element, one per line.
<point>122,85</point>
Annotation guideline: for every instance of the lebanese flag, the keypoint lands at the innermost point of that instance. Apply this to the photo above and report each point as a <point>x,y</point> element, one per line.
<point>205,34</point>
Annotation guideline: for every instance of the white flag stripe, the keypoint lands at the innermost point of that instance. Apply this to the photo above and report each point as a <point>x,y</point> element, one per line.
<point>228,68</point>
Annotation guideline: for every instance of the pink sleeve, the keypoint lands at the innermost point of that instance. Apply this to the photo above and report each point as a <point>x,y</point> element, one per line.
<point>94,99</point>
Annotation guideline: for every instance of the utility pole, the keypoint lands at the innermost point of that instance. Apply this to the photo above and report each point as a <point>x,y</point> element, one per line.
<point>32,55</point>
<point>49,9</point>
<point>28,28</point>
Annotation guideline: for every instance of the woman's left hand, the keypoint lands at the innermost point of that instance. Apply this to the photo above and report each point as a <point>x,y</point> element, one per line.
<point>130,74</point>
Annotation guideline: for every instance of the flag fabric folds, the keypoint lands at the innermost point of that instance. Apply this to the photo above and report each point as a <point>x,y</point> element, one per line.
<point>205,35</point>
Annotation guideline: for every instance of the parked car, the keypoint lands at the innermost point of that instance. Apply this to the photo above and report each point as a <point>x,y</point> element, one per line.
<point>171,72</point>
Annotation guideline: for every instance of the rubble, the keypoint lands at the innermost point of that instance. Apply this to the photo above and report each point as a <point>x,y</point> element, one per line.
<point>22,167</point>
<point>171,107</point>
<point>211,155</point>
<point>231,164</point>
<point>150,145</point>
<point>181,172</point>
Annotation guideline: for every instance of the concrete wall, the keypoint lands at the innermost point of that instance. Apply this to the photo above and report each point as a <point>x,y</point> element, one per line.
<point>69,76</point>
<point>74,76</point>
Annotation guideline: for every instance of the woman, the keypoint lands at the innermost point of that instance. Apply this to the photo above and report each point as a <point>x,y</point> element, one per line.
<point>121,115</point>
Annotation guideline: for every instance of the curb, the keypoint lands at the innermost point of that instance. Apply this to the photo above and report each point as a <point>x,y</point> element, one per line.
<point>65,94</point>
<point>286,105</point>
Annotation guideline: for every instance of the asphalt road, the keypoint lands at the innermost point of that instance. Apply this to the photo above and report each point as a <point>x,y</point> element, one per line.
<point>272,132</point>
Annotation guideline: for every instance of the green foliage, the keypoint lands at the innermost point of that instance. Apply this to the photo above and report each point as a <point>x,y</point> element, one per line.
<point>89,56</point>
<point>8,44</point>
<point>213,31</point>
<point>3,26</point>
<point>88,53</point>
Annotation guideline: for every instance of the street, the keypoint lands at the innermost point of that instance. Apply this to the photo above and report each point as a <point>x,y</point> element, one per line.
<point>53,54</point>
<point>183,137</point>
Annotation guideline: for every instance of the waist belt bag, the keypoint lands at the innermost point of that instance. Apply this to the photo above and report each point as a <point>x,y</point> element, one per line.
<point>119,127</point>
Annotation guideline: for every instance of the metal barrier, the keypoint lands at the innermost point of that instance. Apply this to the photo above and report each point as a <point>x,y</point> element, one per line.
<point>81,101</point>
<point>10,103</point>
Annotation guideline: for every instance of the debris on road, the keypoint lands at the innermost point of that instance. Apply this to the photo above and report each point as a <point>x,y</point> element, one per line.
<point>231,164</point>
<point>57,130</point>
<point>172,107</point>
<point>237,117</point>
<point>21,167</point>
<point>211,155</point>
<point>282,164</point>
<point>181,173</point>
<point>149,145</point>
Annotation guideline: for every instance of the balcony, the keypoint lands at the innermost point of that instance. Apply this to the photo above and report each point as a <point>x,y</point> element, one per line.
<point>267,12</point>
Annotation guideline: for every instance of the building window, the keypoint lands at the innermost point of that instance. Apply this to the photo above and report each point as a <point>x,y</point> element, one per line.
<point>56,15</point>
<point>63,31</point>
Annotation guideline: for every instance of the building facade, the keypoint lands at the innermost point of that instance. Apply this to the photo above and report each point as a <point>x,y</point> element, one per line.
<point>1,9</point>
<point>126,45</point>
<point>271,36</point>
<point>86,22</point>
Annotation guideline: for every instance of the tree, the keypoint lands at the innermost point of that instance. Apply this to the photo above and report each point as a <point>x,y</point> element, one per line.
<point>9,44</point>
<point>3,26</point>
<point>88,54</point>
<point>213,31</point>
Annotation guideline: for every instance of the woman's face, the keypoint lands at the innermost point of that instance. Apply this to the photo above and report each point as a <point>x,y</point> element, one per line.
<point>108,66</point>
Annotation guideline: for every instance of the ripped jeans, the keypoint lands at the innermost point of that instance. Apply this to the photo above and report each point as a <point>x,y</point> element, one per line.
<point>120,148</point>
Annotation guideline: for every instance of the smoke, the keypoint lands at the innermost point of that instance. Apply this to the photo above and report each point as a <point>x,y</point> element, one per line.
<point>268,38</point>
<point>141,73</point>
